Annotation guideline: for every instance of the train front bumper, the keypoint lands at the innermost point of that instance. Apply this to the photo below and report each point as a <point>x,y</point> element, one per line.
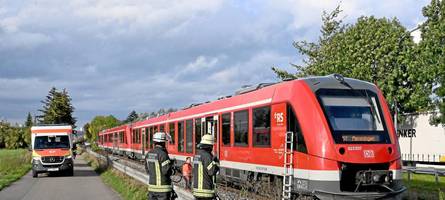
<point>396,194</point>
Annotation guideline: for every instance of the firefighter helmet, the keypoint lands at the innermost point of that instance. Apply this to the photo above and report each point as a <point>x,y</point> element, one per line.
<point>207,139</point>
<point>160,137</point>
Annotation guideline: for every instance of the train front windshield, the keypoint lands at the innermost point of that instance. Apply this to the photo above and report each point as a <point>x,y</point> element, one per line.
<point>354,116</point>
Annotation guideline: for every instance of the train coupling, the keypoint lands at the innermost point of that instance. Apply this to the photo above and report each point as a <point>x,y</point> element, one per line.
<point>373,177</point>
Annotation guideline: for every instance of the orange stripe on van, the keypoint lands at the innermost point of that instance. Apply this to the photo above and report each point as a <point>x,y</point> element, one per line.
<point>52,131</point>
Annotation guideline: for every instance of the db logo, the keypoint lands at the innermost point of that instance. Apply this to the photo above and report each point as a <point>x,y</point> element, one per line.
<point>368,153</point>
<point>279,117</point>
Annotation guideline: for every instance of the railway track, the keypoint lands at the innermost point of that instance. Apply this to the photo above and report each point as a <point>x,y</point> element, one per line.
<point>226,190</point>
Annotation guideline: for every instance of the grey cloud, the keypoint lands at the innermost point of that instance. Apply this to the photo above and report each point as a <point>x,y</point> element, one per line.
<point>118,56</point>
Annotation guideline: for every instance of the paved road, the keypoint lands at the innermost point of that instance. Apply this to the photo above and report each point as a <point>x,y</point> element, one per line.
<point>84,185</point>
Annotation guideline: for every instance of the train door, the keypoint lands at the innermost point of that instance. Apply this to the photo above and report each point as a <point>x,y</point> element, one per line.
<point>198,131</point>
<point>210,126</point>
<point>144,141</point>
<point>151,136</point>
<point>299,146</point>
<point>115,142</point>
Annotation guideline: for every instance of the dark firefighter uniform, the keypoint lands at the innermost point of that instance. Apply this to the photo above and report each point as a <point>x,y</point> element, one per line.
<point>205,167</point>
<point>159,167</point>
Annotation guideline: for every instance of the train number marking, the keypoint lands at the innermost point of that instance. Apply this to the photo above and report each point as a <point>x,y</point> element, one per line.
<point>261,168</point>
<point>279,117</point>
<point>368,153</point>
<point>354,148</point>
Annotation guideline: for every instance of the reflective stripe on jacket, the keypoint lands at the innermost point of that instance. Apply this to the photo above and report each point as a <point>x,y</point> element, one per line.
<point>205,167</point>
<point>159,167</point>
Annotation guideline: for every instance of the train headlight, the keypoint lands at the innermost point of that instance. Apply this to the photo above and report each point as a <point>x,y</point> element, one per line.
<point>376,178</point>
<point>339,77</point>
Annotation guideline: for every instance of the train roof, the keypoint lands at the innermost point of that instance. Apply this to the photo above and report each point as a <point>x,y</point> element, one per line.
<point>257,95</point>
<point>117,128</point>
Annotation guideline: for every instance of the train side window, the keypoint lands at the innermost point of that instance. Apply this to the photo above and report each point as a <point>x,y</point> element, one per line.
<point>121,137</point>
<point>147,137</point>
<point>241,121</point>
<point>151,136</point>
<point>161,128</point>
<point>225,130</point>
<point>171,130</point>
<point>155,129</point>
<point>138,136</point>
<point>261,126</point>
<point>293,125</point>
<point>180,136</point>
<point>197,131</point>
<point>189,136</point>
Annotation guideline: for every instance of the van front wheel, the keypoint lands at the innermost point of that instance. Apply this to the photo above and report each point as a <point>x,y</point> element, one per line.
<point>70,172</point>
<point>34,174</point>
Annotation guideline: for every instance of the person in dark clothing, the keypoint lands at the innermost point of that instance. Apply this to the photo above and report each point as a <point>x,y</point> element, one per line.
<point>205,168</point>
<point>160,168</point>
<point>187,172</point>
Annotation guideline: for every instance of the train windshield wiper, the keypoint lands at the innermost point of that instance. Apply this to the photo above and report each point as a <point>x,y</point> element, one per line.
<point>371,104</point>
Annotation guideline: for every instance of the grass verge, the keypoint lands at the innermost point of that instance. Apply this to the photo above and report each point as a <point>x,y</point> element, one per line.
<point>424,186</point>
<point>127,187</point>
<point>14,164</point>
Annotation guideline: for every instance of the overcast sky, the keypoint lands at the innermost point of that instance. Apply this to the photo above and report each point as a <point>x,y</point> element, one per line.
<point>115,56</point>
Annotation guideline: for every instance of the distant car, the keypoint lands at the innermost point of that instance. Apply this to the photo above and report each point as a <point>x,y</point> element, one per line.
<point>87,144</point>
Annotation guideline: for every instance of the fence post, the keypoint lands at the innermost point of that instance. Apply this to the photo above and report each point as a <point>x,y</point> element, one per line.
<point>409,174</point>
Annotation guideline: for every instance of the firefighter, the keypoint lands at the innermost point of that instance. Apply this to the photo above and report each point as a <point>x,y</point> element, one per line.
<point>160,168</point>
<point>205,167</point>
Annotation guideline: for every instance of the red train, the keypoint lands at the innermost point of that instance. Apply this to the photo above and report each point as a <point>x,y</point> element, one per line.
<point>325,136</point>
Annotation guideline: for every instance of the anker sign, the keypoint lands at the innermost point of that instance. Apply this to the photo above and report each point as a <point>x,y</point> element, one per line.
<point>406,133</point>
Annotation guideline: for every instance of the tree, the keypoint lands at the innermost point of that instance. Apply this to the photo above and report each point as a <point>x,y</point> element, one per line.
<point>29,122</point>
<point>86,132</point>
<point>27,129</point>
<point>57,108</point>
<point>432,53</point>
<point>377,50</point>
<point>12,136</point>
<point>133,116</point>
<point>3,127</point>
<point>100,123</point>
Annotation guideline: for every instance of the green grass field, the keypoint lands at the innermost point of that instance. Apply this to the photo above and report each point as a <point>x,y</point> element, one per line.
<point>13,165</point>
<point>423,186</point>
<point>127,187</point>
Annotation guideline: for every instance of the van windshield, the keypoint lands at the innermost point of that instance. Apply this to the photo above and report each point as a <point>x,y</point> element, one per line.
<point>354,116</point>
<point>52,142</point>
